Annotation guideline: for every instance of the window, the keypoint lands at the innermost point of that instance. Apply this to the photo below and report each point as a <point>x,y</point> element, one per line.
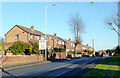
<point>59,42</point>
<point>73,45</point>
<point>31,36</point>
<point>37,37</point>
<point>17,36</point>
<point>42,38</point>
<point>62,43</point>
<point>55,41</point>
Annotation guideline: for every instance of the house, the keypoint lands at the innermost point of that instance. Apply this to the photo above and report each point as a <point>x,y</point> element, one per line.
<point>30,35</point>
<point>70,45</point>
<point>24,34</point>
<point>55,41</point>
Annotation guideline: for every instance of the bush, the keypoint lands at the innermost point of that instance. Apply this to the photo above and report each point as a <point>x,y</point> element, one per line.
<point>36,48</point>
<point>61,49</point>
<point>18,47</point>
<point>30,48</point>
<point>70,52</point>
<point>117,54</point>
<point>117,50</point>
<point>56,49</point>
<point>1,45</point>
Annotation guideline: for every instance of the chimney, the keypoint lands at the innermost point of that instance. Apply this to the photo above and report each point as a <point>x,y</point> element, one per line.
<point>80,42</point>
<point>87,44</point>
<point>54,34</point>
<point>32,28</point>
<point>69,39</point>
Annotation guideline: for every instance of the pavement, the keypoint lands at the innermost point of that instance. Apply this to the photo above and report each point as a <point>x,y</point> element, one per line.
<point>56,68</point>
<point>11,67</point>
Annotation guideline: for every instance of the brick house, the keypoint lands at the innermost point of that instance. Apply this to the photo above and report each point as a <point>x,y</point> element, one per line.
<point>70,45</point>
<point>30,35</point>
<point>24,34</point>
<point>55,41</point>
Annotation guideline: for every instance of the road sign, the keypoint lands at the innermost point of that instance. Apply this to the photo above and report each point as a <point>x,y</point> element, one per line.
<point>42,44</point>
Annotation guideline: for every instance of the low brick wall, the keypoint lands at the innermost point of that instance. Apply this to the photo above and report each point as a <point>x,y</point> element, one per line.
<point>19,59</point>
<point>60,55</point>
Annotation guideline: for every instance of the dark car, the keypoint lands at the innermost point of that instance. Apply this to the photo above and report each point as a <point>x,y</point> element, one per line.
<point>87,55</point>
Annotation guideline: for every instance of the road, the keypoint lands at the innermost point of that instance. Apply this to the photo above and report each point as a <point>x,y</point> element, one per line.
<point>56,68</point>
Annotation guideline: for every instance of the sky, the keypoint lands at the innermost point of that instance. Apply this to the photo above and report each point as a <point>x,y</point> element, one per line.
<point>33,13</point>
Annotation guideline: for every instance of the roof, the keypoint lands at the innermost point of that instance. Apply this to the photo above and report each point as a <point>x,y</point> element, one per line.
<point>33,41</point>
<point>55,37</point>
<point>85,46</point>
<point>31,31</point>
<point>69,41</point>
<point>28,30</point>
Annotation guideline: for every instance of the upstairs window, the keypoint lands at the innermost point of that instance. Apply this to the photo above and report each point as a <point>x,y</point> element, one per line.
<point>62,43</point>
<point>59,42</point>
<point>37,37</point>
<point>42,38</point>
<point>31,36</point>
<point>55,41</point>
<point>73,45</point>
<point>17,36</point>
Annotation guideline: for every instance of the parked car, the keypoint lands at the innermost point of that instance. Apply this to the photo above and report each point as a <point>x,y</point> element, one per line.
<point>87,55</point>
<point>78,54</point>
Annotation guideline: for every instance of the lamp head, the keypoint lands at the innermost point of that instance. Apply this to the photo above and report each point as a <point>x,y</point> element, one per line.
<point>53,4</point>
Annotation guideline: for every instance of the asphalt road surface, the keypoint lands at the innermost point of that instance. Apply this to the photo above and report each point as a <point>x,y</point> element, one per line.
<point>57,68</point>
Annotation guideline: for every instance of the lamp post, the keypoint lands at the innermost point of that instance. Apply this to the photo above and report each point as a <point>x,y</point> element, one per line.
<point>46,32</point>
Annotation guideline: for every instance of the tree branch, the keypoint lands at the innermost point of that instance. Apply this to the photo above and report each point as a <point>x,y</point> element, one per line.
<point>114,29</point>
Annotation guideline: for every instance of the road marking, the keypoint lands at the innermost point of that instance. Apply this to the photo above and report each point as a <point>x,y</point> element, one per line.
<point>83,68</point>
<point>65,65</point>
<point>61,66</point>
<point>73,66</point>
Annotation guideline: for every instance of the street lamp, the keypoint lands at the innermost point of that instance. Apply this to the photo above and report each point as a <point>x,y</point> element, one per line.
<point>46,32</point>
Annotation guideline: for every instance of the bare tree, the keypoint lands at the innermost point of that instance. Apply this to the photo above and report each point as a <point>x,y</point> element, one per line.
<point>77,28</point>
<point>114,21</point>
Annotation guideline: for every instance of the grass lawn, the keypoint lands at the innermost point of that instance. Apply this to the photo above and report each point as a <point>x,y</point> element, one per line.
<point>109,67</point>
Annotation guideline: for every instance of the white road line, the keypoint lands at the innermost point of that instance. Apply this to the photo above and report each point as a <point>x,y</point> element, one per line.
<point>83,68</point>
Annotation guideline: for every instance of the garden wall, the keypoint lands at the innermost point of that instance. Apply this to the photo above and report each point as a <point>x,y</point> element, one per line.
<point>20,59</point>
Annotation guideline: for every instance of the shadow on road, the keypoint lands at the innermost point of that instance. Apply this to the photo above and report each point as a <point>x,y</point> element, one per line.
<point>3,71</point>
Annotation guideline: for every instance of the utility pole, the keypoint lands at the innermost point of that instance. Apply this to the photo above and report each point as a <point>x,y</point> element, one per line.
<point>93,46</point>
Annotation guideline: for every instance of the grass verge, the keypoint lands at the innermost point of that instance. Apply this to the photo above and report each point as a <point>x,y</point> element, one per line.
<point>109,67</point>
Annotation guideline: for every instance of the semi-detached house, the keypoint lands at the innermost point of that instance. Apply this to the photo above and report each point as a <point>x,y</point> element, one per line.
<point>30,35</point>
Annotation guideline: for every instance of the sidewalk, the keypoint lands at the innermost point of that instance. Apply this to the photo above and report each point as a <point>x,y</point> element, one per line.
<point>29,64</point>
<point>23,65</point>
<point>33,63</point>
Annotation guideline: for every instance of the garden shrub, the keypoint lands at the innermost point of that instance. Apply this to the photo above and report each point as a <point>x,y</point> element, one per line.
<point>30,48</point>
<point>56,49</point>
<point>36,48</point>
<point>61,49</point>
<point>18,48</point>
